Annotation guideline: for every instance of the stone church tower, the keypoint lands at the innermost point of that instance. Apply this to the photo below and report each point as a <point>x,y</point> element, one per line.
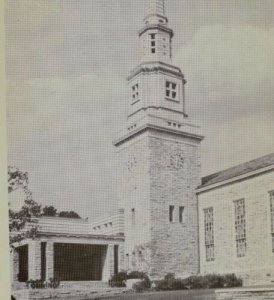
<point>159,150</point>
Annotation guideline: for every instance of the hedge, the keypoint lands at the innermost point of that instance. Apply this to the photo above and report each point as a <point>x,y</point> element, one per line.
<point>208,281</point>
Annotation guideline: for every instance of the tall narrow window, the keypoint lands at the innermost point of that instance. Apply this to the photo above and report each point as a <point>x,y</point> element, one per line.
<point>271,194</point>
<point>171,90</point>
<point>152,43</point>
<point>171,211</point>
<point>140,259</point>
<point>133,216</point>
<point>133,259</point>
<point>127,261</point>
<point>209,233</point>
<point>181,214</point>
<point>240,229</point>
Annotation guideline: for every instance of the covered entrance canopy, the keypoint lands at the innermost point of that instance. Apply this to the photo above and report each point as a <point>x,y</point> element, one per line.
<point>70,257</point>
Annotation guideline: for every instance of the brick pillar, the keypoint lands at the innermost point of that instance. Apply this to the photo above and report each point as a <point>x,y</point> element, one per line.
<point>49,261</point>
<point>34,256</point>
<point>108,266</point>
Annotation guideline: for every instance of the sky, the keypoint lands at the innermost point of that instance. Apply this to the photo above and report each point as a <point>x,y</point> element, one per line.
<point>67,63</point>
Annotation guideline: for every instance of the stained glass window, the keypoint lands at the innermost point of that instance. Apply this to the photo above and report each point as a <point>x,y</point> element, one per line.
<point>240,229</point>
<point>209,233</point>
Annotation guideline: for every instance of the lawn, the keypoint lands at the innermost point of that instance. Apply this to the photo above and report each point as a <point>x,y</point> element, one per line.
<point>173,295</point>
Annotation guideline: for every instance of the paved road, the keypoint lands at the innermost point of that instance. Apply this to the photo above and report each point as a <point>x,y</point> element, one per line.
<point>174,295</point>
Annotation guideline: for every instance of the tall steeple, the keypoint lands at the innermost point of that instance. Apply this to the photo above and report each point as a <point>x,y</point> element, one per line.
<point>159,150</point>
<point>156,86</point>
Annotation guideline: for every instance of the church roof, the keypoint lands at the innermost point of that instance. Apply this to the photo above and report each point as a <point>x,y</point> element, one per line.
<point>250,166</point>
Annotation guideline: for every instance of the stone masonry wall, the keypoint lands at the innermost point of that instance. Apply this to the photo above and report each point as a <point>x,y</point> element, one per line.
<point>174,176</point>
<point>161,170</point>
<point>134,156</point>
<point>257,266</point>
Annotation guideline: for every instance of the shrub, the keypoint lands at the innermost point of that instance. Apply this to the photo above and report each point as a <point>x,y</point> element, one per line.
<point>204,282</point>
<point>214,281</point>
<point>119,279</point>
<point>232,281</point>
<point>145,283</point>
<point>136,275</point>
<point>169,276</point>
<point>141,286</point>
<point>170,283</point>
<point>198,282</point>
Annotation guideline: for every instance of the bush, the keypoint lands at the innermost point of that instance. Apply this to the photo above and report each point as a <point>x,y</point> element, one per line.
<point>205,282</point>
<point>141,286</point>
<point>232,281</point>
<point>214,281</point>
<point>198,282</point>
<point>119,279</point>
<point>136,275</point>
<point>140,275</point>
<point>170,283</point>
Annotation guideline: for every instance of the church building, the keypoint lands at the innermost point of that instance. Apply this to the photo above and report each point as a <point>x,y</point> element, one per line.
<point>172,219</point>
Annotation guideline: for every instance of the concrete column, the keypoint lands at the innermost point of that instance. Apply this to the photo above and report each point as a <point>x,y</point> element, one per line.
<point>121,266</point>
<point>14,262</point>
<point>34,260</point>
<point>108,267</point>
<point>49,260</point>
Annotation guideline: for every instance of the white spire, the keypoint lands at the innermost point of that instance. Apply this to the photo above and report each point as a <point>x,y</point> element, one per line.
<point>155,12</point>
<point>155,7</point>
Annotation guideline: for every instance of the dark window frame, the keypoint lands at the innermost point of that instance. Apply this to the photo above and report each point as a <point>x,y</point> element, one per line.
<point>171,213</point>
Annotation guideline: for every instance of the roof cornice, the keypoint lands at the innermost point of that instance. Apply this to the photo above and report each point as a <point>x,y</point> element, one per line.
<point>257,172</point>
<point>80,235</point>
<point>156,15</point>
<point>156,66</point>
<point>149,126</point>
<point>156,26</point>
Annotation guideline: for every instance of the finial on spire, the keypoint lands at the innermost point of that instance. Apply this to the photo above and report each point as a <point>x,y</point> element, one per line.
<point>155,12</point>
<point>155,7</point>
